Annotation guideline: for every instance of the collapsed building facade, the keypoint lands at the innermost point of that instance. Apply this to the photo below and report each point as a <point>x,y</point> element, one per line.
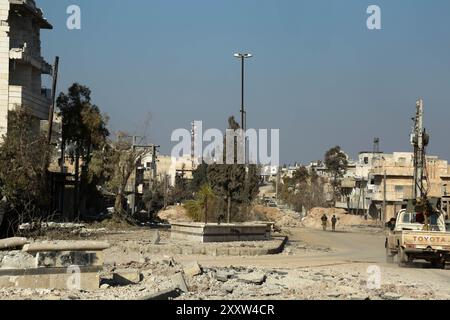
<point>21,62</point>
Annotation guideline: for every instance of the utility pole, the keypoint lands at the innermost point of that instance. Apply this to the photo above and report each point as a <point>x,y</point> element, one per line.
<point>52,106</point>
<point>384,196</point>
<point>154,163</point>
<point>419,142</point>
<point>277,185</point>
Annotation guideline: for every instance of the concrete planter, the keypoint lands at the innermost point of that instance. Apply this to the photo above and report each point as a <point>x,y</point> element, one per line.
<point>201,233</point>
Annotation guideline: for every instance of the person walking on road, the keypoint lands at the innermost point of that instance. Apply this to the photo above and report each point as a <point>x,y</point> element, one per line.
<point>334,222</point>
<point>324,222</point>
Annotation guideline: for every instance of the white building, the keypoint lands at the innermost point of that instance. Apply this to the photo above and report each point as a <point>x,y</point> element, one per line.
<point>21,63</point>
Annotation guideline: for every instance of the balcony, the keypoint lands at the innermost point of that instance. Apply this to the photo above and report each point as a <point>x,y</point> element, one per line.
<point>24,55</point>
<point>37,104</point>
<point>398,171</point>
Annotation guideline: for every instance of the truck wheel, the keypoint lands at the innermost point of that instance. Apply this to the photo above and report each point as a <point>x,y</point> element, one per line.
<point>389,256</point>
<point>402,257</point>
<point>438,264</point>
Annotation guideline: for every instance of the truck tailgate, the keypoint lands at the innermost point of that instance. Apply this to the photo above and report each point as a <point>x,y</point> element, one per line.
<point>426,240</point>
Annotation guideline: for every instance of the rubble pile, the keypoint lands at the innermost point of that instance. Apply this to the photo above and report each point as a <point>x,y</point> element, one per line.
<point>282,219</point>
<point>175,214</point>
<point>164,278</point>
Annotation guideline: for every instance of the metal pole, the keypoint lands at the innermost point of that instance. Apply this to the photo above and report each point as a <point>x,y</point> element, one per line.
<point>52,106</point>
<point>420,150</point>
<point>243,118</point>
<point>384,197</point>
<point>242,93</point>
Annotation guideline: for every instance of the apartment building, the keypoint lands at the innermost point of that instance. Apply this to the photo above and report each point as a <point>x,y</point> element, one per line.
<point>388,179</point>
<point>21,63</point>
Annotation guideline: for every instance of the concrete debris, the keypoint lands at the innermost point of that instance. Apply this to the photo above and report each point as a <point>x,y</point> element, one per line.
<point>229,288</point>
<point>179,282</point>
<point>133,272</point>
<point>256,278</point>
<point>126,277</point>
<point>156,238</point>
<point>16,260</point>
<point>12,243</point>
<point>224,275</point>
<point>192,270</point>
<point>51,226</point>
<point>391,296</point>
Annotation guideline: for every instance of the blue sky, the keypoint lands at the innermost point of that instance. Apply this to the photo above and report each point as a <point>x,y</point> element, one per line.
<point>318,74</point>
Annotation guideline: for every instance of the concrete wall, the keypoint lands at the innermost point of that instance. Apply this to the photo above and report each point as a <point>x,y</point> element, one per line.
<point>4,65</point>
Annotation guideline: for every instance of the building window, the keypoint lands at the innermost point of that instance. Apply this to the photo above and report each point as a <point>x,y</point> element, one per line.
<point>399,189</point>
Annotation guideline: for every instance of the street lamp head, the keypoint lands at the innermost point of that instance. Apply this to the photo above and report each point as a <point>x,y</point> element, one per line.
<point>243,55</point>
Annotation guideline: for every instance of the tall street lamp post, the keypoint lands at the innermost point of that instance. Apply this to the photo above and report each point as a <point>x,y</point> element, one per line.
<point>242,57</point>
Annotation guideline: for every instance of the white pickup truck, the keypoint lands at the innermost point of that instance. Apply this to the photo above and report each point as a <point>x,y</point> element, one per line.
<point>409,241</point>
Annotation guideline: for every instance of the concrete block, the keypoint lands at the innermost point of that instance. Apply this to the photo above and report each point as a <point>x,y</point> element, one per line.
<point>127,277</point>
<point>66,246</point>
<point>179,282</point>
<point>60,279</point>
<point>12,243</point>
<point>16,260</point>
<point>257,278</point>
<point>211,251</point>
<point>192,269</point>
<point>223,251</point>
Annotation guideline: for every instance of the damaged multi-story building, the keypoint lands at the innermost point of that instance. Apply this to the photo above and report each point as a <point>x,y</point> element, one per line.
<point>383,182</point>
<point>21,63</point>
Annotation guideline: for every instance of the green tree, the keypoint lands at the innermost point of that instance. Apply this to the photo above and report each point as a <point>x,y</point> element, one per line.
<point>336,163</point>
<point>154,198</point>
<point>304,190</point>
<point>232,183</point>
<point>204,206</point>
<point>199,177</point>
<point>23,178</point>
<point>84,130</point>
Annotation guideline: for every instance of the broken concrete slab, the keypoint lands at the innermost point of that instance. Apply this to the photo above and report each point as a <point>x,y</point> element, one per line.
<point>84,278</point>
<point>179,282</point>
<point>224,275</point>
<point>16,260</point>
<point>66,246</point>
<point>127,277</point>
<point>10,243</point>
<point>192,269</point>
<point>257,278</point>
<point>51,226</point>
<point>156,238</point>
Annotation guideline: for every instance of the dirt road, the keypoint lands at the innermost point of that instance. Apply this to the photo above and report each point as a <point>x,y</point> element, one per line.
<point>337,248</point>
